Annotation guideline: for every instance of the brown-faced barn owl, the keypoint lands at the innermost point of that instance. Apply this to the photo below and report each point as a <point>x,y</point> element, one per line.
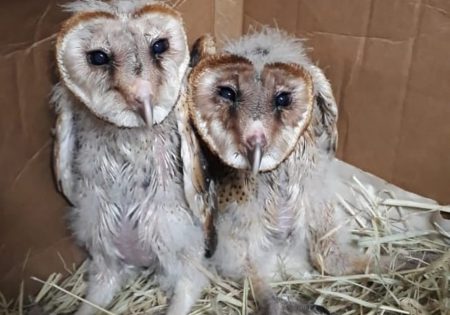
<point>253,107</point>
<point>120,106</point>
<point>267,117</point>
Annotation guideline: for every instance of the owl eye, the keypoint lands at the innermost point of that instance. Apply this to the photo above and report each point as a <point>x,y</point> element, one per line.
<point>282,99</point>
<point>98,58</point>
<point>160,46</point>
<point>227,93</point>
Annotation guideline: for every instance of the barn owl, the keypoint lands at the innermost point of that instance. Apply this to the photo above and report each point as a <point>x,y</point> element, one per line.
<point>266,117</point>
<point>120,110</point>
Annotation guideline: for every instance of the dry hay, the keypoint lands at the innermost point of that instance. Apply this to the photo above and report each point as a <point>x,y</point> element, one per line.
<point>422,291</point>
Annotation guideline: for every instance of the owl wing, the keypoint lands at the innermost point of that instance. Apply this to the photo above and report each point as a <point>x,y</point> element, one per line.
<point>325,111</point>
<point>64,143</point>
<point>198,188</point>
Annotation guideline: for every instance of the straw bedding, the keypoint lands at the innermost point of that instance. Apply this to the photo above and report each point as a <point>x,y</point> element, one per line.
<point>422,291</point>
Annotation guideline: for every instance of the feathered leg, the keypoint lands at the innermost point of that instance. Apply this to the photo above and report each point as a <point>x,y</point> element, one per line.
<point>103,283</point>
<point>187,291</point>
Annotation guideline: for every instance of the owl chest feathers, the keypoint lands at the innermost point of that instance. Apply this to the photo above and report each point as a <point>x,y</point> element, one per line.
<point>269,208</point>
<point>125,178</point>
<point>129,161</point>
<point>258,209</point>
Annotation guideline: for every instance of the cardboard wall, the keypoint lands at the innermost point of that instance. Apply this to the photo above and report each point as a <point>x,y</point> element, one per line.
<point>387,61</point>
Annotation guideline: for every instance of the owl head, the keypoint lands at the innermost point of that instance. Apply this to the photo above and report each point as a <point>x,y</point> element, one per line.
<point>125,60</point>
<point>253,102</point>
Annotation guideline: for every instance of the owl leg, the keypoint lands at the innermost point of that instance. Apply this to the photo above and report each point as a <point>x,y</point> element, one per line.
<point>103,283</point>
<point>186,292</point>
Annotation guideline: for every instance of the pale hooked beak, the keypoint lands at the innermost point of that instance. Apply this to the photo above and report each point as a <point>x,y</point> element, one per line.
<point>255,142</point>
<point>143,98</point>
<point>145,110</point>
<point>255,157</point>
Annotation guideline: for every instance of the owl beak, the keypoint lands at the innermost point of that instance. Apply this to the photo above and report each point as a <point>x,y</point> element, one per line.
<point>255,157</point>
<point>141,90</point>
<point>255,141</point>
<point>145,110</point>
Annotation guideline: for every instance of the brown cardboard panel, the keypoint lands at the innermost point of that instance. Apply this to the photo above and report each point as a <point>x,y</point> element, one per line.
<point>374,119</point>
<point>25,22</point>
<point>228,17</point>
<point>32,213</point>
<point>344,17</point>
<point>387,61</point>
<point>39,264</point>
<point>371,68</point>
<point>282,13</point>
<point>198,17</point>
<point>394,20</point>
<point>422,161</point>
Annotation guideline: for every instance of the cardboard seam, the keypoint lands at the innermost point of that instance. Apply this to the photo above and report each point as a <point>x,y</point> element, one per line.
<point>20,100</point>
<point>389,40</point>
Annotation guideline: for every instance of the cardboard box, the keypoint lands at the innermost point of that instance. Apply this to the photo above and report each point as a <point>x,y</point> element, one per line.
<point>388,61</point>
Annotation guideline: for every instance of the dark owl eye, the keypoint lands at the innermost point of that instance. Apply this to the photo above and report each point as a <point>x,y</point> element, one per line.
<point>160,46</point>
<point>227,93</point>
<point>282,99</point>
<point>98,58</point>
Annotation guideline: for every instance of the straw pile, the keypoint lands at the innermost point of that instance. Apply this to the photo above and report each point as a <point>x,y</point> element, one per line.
<point>422,291</point>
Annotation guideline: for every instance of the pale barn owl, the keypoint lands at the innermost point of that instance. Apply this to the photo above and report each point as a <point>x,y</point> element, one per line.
<point>120,106</point>
<point>266,117</point>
